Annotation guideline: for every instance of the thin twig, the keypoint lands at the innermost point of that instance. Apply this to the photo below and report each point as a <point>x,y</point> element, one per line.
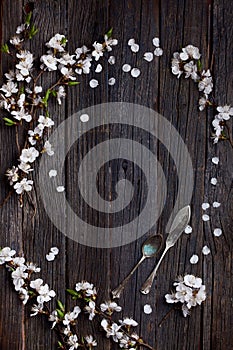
<point>6,198</point>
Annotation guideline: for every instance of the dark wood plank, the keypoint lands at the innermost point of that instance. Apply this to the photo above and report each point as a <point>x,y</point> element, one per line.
<point>206,24</point>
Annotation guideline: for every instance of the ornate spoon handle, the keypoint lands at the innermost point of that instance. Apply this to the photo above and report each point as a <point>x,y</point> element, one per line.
<point>117,291</point>
<point>148,283</point>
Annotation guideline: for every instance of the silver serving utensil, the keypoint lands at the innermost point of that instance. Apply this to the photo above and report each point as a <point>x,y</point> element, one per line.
<point>179,224</point>
<point>150,248</point>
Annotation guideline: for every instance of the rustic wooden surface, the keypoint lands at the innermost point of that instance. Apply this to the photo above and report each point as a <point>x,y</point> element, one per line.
<point>206,24</point>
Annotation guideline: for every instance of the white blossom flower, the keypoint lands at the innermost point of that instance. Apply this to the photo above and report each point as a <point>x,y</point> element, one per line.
<point>19,275</point>
<point>93,83</point>
<point>66,59</point>
<point>60,94</point>
<point>81,52</point>
<point>32,267</point>
<point>148,56</point>
<point>112,330</point>
<point>110,307</point>
<point>225,112</point>
<point>90,308</point>
<point>21,28</point>
<point>19,261</point>
<point>45,122</point>
<point>126,68</point>
<point>205,217</point>
<point>67,73</point>
<point>35,135</point>
<point>147,309</point>
<point>60,188</point>
<point>25,167</point>
<point>190,51</point>
<point>112,60</point>
<point>194,259</point>
<point>52,173</point>
<point>185,310</point>
<point>24,295</point>
<point>216,204</point>
<point>205,206</point>
<point>192,281</point>
<point>12,175</point>
<point>36,284</point>
<point>10,75</point>
<point>206,85</point>
<point>15,40</point>
<point>6,254</point>
<point>171,298</point>
<point>71,316</point>
<point>190,70</point>
<point>176,65</point>
<point>22,114</point>
<point>45,294</point>
<point>91,342</point>
<point>48,149</point>
<point>98,52</point>
<point>73,341</point>
<point>99,68</point>
<point>213,181</point>
<point>23,185</point>
<point>53,317</point>
<point>215,160</point>
<point>129,322</point>
<point>83,66</point>
<point>197,298</point>
<point>58,42</point>
<point>158,51</point>
<point>203,102</point>
<point>29,155</point>
<point>111,81</point>
<point>36,309</point>
<point>205,250</point>
<point>217,232</point>
<point>49,61</point>
<point>135,72</point>
<point>183,292</point>
<point>109,42</point>
<point>9,88</point>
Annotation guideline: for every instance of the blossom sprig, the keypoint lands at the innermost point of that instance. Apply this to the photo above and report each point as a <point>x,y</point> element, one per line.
<point>65,322</point>
<point>189,291</point>
<point>188,63</point>
<point>25,101</point>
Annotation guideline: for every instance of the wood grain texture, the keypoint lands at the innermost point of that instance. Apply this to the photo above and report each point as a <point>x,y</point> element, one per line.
<point>206,24</point>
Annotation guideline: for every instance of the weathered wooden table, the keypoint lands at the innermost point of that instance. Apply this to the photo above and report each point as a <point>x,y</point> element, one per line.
<point>206,24</point>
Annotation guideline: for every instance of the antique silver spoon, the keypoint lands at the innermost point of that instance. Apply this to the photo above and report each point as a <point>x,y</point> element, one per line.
<point>150,248</point>
<point>179,224</point>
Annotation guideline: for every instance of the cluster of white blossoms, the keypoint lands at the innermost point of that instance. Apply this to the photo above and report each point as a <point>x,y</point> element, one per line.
<point>21,273</point>
<point>24,100</point>
<point>65,322</point>
<point>189,291</point>
<point>187,63</point>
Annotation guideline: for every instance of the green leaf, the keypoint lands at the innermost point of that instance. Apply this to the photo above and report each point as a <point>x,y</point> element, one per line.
<point>73,83</point>
<point>5,48</point>
<point>109,33</point>
<point>54,93</point>
<point>199,65</point>
<point>28,18</point>
<point>60,305</point>
<point>60,313</point>
<point>60,345</point>
<point>32,31</point>
<point>72,292</point>
<point>9,122</point>
<point>63,41</point>
<point>45,99</point>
